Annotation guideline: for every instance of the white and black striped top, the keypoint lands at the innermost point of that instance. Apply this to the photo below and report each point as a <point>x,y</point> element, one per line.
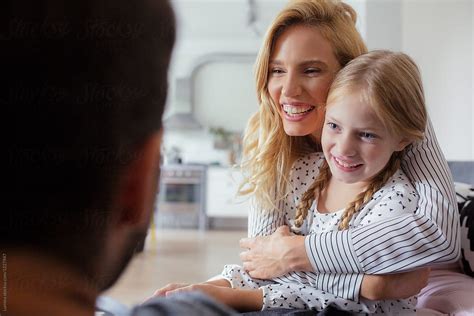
<point>393,245</point>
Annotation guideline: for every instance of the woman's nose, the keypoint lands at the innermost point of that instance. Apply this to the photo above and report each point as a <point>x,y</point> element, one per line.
<point>291,86</point>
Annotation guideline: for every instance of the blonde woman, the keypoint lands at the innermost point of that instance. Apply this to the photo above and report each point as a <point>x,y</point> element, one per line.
<point>375,109</point>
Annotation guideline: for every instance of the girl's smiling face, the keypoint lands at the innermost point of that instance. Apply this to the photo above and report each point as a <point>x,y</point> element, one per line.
<point>301,70</point>
<point>356,144</point>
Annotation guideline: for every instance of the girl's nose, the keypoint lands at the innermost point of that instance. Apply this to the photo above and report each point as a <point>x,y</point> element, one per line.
<point>346,146</point>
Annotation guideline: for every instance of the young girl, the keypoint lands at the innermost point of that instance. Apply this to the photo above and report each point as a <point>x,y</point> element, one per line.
<point>375,109</point>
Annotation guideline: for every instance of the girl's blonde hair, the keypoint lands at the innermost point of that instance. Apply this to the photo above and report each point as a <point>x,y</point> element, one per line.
<point>268,152</point>
<point>391,84</point>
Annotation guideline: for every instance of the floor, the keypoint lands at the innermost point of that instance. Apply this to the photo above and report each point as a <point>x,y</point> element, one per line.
<point>174,255</point>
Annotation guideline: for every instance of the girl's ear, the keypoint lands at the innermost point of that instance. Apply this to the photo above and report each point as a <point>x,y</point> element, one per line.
<point>404,142</point>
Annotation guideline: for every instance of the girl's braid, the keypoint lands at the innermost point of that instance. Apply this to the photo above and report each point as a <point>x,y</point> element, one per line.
<point>308,197</point>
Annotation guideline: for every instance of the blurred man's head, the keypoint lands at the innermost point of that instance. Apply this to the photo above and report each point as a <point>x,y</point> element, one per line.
<point>86,85</point>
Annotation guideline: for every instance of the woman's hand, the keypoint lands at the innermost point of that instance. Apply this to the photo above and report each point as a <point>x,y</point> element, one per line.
<point>394,286</point>
<point>272,256</point>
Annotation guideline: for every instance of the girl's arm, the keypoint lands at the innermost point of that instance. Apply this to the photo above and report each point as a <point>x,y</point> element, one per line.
<point>431,235</point>
<point>243,300</point>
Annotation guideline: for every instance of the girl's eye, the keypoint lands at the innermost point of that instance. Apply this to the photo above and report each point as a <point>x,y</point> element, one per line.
<point>368,136</point>
<point>332,125</point>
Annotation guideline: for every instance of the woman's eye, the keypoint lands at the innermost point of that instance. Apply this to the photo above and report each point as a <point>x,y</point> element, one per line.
<point>276,71</point>
<point>312,71</point>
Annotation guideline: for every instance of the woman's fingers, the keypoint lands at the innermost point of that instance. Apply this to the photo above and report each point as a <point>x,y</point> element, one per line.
<point>283,231</point>
<point>248,266</point>
<point>246,243</point>
<point>244,256</point>
<point>265,256</point>
<point>250,243</point>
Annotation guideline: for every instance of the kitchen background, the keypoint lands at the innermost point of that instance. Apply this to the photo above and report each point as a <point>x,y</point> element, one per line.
<point>212,96</point>
<point>212,87</point>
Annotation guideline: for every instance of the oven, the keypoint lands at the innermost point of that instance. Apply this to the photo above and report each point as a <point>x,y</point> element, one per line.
<point>181,199</point>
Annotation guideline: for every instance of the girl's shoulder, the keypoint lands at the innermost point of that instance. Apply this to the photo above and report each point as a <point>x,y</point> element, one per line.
<point>399,181</point>
<point>396,197</point>
<point>397,190</point>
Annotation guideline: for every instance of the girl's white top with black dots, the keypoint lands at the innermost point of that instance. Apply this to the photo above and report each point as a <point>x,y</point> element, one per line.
<point>407,241</point>
<point>309,290</point>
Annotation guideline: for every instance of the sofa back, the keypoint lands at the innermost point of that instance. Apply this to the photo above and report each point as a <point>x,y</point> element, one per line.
<point>463,171</point>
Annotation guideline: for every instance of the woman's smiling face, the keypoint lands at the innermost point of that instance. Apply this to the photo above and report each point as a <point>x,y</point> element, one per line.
<point>301,69</point>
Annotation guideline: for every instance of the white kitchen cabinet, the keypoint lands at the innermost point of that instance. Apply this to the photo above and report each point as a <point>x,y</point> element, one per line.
<point>221,194</point>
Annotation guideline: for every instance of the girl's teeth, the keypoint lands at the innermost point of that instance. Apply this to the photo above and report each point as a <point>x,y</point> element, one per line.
<point>345,164</point>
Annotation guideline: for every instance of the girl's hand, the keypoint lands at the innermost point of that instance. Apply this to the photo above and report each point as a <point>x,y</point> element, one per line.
<point>175,286</point>
<point>272,256</point>
<point>169,287</point>
<point>394,286</point>
<point>239,299</point>
<point>219,293</point>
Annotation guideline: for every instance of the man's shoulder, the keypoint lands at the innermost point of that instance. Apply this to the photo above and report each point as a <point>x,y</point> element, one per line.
<point>189,304</point>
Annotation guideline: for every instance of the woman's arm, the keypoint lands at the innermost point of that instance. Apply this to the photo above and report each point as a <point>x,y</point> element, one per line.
<point>264,223</point>
<point>431,235</point>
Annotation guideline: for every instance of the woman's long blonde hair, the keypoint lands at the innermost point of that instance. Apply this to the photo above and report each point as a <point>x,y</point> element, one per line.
<point>391,84</point>
<point>268,152</point>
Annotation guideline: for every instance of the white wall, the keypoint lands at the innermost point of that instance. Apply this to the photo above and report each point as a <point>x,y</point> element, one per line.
<point>383,20</point>
<point>438,34</point>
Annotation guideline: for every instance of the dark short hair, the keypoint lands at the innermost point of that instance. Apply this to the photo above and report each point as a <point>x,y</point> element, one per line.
<point>84,84</point>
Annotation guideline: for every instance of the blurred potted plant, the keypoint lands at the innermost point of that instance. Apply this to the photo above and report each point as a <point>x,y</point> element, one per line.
<point>222,137</point>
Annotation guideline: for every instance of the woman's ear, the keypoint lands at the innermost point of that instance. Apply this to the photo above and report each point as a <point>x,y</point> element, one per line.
<point>139,182</point>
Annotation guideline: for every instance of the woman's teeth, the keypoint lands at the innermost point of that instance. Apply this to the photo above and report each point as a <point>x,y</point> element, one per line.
<point>295,110</point>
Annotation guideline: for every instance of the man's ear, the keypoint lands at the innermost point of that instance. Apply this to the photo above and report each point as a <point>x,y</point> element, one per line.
<point>139,182</point>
